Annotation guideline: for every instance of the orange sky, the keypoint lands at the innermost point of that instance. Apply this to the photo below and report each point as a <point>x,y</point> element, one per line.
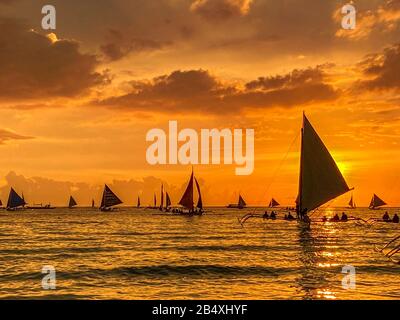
<point>75,107</point>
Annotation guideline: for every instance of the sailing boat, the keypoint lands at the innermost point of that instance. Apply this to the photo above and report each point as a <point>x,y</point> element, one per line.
<point>72,203</point>
<point>352,204</point>
<point>92,203</point>
<point>320,179</point>
<point>15,202</point>
<point>162,198</point>
<point>376,202</point>
<point>109,199</point>
<point>273,203</point>
<point>138,202</point>
<point>240,205</point>
<point>187,200</point>
<point>1,204</point>
<point>167,202</point>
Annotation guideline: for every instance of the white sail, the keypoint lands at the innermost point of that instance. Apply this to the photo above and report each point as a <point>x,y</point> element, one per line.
<point>320,177</point>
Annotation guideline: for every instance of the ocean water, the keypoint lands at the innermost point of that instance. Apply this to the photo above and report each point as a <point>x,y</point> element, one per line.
<point>142,254</point>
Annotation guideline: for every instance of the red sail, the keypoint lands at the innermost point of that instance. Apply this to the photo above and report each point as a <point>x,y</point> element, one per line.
<point>187,198</point>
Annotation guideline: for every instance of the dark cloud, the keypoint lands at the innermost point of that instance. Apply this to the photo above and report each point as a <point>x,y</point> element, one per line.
<point>6,135</point>
<point>382,69</point>
<point>32,65</point>
<point>199,91</point>
<point>118,46</point>
<point>217,10</point>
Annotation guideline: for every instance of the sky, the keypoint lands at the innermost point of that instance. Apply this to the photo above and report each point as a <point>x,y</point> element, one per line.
<point>76,102</point>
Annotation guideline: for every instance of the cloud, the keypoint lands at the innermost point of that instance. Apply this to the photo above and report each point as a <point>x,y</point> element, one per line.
<point>198,91</point>
<point>384,18</point>
<point>217,10</point>
<point>34,65</point>
<point>45,190</point>
<point>6,135</point>
<point>381,69</point>
<point>118,46</point>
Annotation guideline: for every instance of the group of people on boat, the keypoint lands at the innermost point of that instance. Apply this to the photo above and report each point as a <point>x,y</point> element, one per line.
<point>336,218</point>
<point>386,218</point>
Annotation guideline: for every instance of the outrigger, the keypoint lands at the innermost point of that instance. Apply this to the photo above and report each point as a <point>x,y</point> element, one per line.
<point>390,249</point>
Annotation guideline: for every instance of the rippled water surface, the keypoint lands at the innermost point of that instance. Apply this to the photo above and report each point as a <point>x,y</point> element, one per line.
<point>142,254</point>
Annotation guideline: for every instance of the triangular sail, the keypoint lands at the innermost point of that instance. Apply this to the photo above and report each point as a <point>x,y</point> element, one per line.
<point>273,203</point>
<point>167,200</point>
<point>92,203</point>
<point>109,198</point>
<point>155,200</point>
<point>187,198</point>
<point>200,201</point>
<point>14,200</point>
<point>320,177</point>
<point>162,197</point>
<point>376,202</point>
<point>241,202</point>
<point>1,203</point>
<point>138,202</point>
<point>352,203</point>
<point>72,202</point>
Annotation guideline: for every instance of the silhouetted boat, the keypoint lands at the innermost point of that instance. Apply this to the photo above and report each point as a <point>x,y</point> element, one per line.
<point>162,198</point>
<point>40,206</point>
<point>15,202</point>
<point>72,203</point>
<point>187,200</point>
<point>320,179</point>
<point>138,202</point>
<point>352,203</point>
<point>109,200</point>
<point>92,203</point>
<point>376,202</point>
<point>273,203</point>
<point>240,205</point>
<point>167,202</point>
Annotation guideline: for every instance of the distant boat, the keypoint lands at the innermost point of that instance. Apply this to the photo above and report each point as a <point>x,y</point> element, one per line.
<point>240,205</point>
<point>40,206</point>
<point>352,204</point>
<point>92,203</point>
<point>273,203</point>
<point>109,199</point>
<point>187,200</point>
<point>138,202</point>
<point>162,198</point>
<point>15,202</point>
<point>376,202</point>
<point>320,179</point>
<point>167,202</point>
<point>72,203</point>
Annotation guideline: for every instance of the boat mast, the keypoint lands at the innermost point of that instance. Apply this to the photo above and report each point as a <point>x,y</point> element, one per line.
<point>299,204</point>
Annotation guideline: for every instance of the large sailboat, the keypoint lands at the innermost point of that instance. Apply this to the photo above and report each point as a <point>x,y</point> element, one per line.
<point>109,200</point>
<point>138,202</point>
<point>15,202</point>
<point>240,205</point>
<point>72,203</point>
<point>320,179</point>
<point>376,202</point>
<point>187,200</point>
